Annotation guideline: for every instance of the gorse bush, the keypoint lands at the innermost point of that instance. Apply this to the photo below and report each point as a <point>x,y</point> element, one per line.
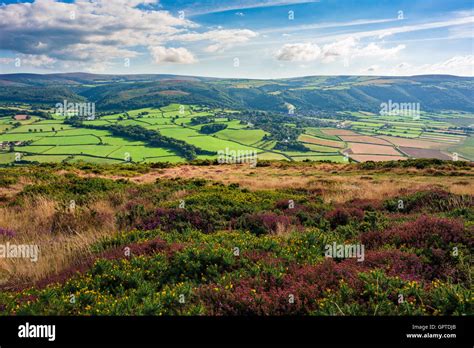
<point>71,187</point>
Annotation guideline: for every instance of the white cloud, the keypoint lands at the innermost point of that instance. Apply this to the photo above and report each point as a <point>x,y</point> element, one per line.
<point>374,50</point>
<point>348,48</point>
<point>179,55</point>
<point>457,65</point>
<point>37,60</point>
<point>381,33</point>
<point>462,32</point>
<point>84,30</point>
<point>5,61</point>
<point>385,34</point>
<point>341,48</point>
<point>299,52</point>
<point>97,33</point>
<point>222,39</point>
<point>214,7</point>
<point>29,60</point>
<point>295,28</point>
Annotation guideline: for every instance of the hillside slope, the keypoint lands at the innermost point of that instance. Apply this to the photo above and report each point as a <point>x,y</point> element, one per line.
<point>311,94</point>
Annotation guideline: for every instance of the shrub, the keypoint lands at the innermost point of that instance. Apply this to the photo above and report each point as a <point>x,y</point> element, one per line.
<point>178,219</point>
<point>79,220</point>
<point>6,181</point>
<point>342,216</point>
<point>430,237</point>
<point>429,201</point>
<point>261,223</point>
<point>294,294</point>
<point>364,204</point>
<point>393,262</point>
<point>424,232</point>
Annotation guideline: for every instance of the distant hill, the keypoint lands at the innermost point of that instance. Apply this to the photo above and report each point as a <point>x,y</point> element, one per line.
<point>309,94</point>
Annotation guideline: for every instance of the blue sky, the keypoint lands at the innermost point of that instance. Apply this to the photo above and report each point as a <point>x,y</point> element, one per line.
<point>244,38</point>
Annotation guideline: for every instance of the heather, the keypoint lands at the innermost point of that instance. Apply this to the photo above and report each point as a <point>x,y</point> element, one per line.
<point>152,242</point>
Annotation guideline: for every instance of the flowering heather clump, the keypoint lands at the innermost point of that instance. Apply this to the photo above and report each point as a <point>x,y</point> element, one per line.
<point>295,294</point>
<point>433,238</point>
<point>262,223</point>
<point>283,204</point>
<point>7,232</point>
<point>435,200</point>
<point>424,232</point>
<point>342,216</point>
<point>133,215</point>
<point>364,204</point>
<point>394,262</point>
<point>168,219</point>
<point>307,214</point>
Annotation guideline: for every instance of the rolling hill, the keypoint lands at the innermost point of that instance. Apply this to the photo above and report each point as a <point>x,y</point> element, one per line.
<point>309,95</point>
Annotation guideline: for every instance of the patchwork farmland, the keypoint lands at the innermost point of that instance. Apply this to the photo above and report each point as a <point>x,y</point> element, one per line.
<point>381,138</point>
<point>372,137</point>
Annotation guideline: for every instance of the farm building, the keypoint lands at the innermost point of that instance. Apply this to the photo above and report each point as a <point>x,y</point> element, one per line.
<point>21,117</point>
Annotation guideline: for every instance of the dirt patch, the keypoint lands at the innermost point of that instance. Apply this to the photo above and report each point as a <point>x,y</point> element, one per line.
<point>338,132</point>
<point>372,149</point>
<point>422,144</point>
<point>364,139</point>
<point>318,141</point>
<point>425,153</point>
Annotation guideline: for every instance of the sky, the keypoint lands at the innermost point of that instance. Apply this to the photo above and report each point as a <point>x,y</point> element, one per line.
<point>238,39</point>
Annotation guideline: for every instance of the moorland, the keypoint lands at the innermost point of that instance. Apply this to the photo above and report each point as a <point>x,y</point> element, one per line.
<point>220,239</point>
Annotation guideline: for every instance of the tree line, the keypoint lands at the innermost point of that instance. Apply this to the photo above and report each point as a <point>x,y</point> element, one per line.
<point>152,137</point>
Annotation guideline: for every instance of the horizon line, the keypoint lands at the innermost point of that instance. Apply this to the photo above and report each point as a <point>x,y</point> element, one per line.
<point>236,78</point>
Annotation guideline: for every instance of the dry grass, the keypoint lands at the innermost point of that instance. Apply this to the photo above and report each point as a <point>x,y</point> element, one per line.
<point>33,226</point>
<point>336,181</point>
<point>376,158</point>
<point>7,193</point>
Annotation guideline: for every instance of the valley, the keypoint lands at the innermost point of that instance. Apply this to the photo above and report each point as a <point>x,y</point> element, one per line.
<point>370,137</point>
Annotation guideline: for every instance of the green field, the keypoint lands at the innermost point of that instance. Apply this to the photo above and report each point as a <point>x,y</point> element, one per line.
<point>466,148</point>
<point>52,140</point>
<point>248,137</point>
